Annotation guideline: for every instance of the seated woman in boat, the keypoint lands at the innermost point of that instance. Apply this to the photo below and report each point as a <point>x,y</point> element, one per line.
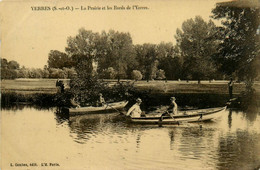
<point>101,101</point>
<point>73,102</point>
<point>135,110</point>
<point>172,109</point>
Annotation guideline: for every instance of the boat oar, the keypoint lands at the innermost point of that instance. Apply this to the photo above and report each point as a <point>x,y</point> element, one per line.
<point>115,109</point>
<point>166,112</point>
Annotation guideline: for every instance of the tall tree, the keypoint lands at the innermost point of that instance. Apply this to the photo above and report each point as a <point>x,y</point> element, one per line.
<point>57,59</point>
<point>196,45</point>
<point>147,57</point>
<point>13,65</point>
<point>83,50</point>
<point>4,63</point>
<point>118,53</point>
<point>9,70</point>
<point>169,61</point>
<point>239,49</point>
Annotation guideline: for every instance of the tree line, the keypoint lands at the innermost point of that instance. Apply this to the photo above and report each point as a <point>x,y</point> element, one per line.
<point>203,51</point>
<point>11,70</point>
<point>112,54</point>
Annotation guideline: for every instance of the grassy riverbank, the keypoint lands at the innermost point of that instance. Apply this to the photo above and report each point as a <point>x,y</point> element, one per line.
<point>47,86</point>
<point>207,94</point>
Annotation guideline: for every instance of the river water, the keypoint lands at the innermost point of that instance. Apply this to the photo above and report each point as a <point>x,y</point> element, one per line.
<point>34,138</point>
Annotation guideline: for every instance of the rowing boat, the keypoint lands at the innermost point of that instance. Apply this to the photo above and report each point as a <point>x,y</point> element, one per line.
<point>183,116</point>
<point>107,108</point>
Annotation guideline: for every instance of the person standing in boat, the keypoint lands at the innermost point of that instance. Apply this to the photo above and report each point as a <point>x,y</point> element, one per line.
<point>58,85</point>
<point>230,88</point>
<point>172,109</point>
<point>62,86</point>
<point>135,110</point>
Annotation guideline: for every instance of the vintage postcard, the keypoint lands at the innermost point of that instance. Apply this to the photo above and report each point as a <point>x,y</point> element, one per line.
<point>130,84</point>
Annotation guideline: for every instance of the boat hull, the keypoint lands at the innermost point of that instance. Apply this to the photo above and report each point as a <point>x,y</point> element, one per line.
<point>183,117</point>
<point>111,107</point>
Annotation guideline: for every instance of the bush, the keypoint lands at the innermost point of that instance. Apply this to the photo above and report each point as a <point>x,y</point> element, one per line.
<point>8,73</point>
<point>109,73</point>
<point>45,73</point>
<point>136,75</point>
<point>56,73</point>
<point>69,72</point>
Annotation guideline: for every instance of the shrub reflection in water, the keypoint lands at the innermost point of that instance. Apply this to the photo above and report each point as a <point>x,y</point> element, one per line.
<point>107,140</point>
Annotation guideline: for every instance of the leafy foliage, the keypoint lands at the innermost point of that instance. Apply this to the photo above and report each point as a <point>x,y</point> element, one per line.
<point>146,55</point>
<point>86,90</point>
<point>160,74</point>
<point>82,49</point>
<point>13,65</point>
<point>108,73</point>
<point>57,59</point>
<point>137,75</point>
<point>239,49</point>
<point>196,44</point>
<point>118,53</point>
<point>86,48</point>
<point>9,70</point>
<point>169,61</point>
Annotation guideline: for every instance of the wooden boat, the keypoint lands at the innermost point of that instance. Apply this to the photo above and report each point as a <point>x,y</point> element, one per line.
<point>107,108</point>
<point>182,117</point>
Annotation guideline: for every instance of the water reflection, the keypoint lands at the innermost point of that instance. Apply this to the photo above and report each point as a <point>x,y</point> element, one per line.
<point>171,135</point>
<point>138,140</point>
<point>196,142</point>
<point>87,126</point>
<point>230,118</point>
<point>251,113</point>
<point>231,142</point>
<point>20,107</point>
<point>61,115</point>
<point>239,150</point>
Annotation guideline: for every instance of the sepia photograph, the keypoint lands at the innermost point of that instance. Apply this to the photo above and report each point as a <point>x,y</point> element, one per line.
<point>130,84</point>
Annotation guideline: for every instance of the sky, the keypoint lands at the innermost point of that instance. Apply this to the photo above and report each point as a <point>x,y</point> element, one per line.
<point>28,35</point>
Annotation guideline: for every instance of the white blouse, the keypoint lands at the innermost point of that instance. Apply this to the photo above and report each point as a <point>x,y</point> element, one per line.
<point>135,111</point>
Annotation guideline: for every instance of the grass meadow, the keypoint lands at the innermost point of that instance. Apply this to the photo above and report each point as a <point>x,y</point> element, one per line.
<point>47,86</point>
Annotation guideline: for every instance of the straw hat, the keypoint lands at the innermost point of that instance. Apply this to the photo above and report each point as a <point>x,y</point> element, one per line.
<point>173,98</point>
<point>138,100</point>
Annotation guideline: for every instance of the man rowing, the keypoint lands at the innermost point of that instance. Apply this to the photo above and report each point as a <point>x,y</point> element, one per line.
<point>172,109</point>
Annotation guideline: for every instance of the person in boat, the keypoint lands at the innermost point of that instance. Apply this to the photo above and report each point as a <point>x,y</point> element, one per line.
<point>58,85</point>
<point>135,110</point>
<point>230,88</point>
<point>73,102</point>
<point>57,82</point>
<point>101,101</point>
<point>62,86</point>
<point>173,106</point>
<point>172,109</point>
